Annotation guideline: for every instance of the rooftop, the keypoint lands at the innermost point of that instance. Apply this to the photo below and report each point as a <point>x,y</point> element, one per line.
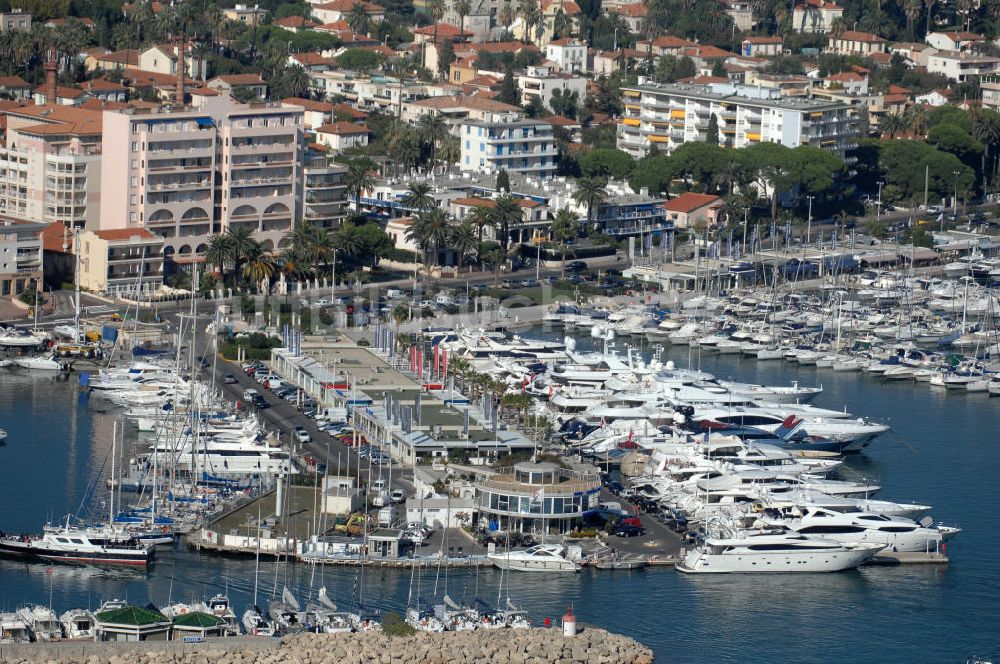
<point>132,615</point>
<point>739,94</point>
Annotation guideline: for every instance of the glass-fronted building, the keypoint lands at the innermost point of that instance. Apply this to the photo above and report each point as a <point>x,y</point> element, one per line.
<point>536,497</point>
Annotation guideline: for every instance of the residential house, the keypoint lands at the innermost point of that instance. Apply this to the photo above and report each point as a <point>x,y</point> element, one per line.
<point>849,81</point>
<point>331,12</point>
<point>741,11</point>
<point>456,108</point>
<point>934,98</point>
<point>65,96</point>
<point>105,90</point>
<point>14,87</point>
<point>250,84</point>
<point>691,209</point>
<point>462,71</point>
<point>340,136</point>
<point>245,14</point>
<point>633,13</point>
<point>854,42</point>
<point>665,45</point>
<point>990,85</point>
<point>111,60</point>
<point>572,127</point>
<point>540,82</point>
<point>21,249</point>
<point>962,66</point>
<point>311,62</point>
<point>954,41</point>
<point>787,85</point>
<point>431,43</point>
<point>816,16</point>
<point>111,261</point>
<point>295,23</point>
<point>764,47</point>
<point>15,20</point>
<point>567,54</point>
<point>162,59</point>
<point>317,113</point>
<point>914,54</point>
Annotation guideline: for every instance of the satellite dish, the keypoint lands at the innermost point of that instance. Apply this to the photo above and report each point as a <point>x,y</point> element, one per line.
<point>670,365</point>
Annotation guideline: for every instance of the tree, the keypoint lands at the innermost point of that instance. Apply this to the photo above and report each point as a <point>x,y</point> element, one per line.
<point>431,128</point>
<point>446,57</point>
<point>360,59</point>
<point>606,162</point>
<point>359,176</point>
<point>591,193</point>
<point>418,195</point>
<point>719,69</point>
<point>564,230</point>
<point>876,229</point>
<point>219,251</point>
<point>348,240</point>
<point>358,19</point>
<point>372,244</point>
<point>507,215</point>
<point>509,93</point>
<point>429,231</point>
<point>712,133</point>
<point>462,8</point>
<point>260,265</point>
<point>480,217</point>
<point>671,69</point>
<point>244,247</point>
<point>463,240</point>
<point>891,124</point>
<point>503,181</point>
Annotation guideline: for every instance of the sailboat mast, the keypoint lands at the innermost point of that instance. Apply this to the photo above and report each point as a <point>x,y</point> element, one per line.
<point>111,499</point>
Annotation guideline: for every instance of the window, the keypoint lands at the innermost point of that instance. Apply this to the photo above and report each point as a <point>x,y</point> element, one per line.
<point>135,146</point>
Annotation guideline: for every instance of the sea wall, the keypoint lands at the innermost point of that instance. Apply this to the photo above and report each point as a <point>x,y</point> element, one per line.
<point>502,646</point>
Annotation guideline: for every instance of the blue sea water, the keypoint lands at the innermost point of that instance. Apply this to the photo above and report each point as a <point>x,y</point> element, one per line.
<point>942,451</point>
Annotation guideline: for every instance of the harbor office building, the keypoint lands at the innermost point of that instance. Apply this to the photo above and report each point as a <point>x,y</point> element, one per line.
<point>669,115</point>
<point>536,497</point>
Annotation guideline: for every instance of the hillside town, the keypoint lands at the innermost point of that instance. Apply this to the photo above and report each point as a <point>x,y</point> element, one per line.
<point>267,143</point>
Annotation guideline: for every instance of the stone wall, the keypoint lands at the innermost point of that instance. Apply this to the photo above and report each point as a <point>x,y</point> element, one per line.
<point>502,646</point>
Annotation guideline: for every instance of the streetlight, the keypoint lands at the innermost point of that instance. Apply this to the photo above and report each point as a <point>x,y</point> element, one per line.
<point>878,203</point>
<point>954,202</point>
<point>809,223</point>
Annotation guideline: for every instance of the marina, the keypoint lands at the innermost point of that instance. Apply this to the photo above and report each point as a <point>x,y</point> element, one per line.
<point>706,449</point>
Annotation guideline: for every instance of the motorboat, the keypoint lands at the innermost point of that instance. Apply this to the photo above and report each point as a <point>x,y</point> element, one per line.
<point>14,338</point>
<point>78,624</point>
<point>255,624</point>
<point>220,607</point>
<point>539,558</point>
<point>774,552</point>
<point>39,363</point>
<point>42,621</point>
<point>13,629</point>
<point>72,546</point>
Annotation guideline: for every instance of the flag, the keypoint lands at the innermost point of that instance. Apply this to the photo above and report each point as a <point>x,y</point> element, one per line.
<point>444,361</point>
<point>537,496</point>
<point>729,243</point>
<point>437,358</point>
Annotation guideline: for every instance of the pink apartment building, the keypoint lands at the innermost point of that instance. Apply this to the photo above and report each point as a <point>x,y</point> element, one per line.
<point>185,174</point>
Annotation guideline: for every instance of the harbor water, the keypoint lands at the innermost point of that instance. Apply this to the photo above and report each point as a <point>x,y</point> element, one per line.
<point>942,451</point>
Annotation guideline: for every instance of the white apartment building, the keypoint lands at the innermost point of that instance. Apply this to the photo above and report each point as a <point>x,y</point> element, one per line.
<point>568,54</point>
<point>186,174</point>
<point>324,186</point>
<point>508,142</point>
<point>50,165</point>
<point>816,16</point>
<point>961,66</point>
<point>668,115</point>
<point>20,255</point>
<point>540,82</point>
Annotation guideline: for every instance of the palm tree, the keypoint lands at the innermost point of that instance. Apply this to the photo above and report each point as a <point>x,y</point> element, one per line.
<point>295,266</point>
<point>358,19</point>
<point>495,257</point>
<point>986,130</point>
<point>590,192</point>
<point>462,8</point>
<point>463,240</point>
<point>348,240</point>
<point>916,119</point>
<point>244,247</point>
<point>436,9</point>
<point>892,124</point>
<point>507,16</point>
<point>359,177</point>
<point>418,196</point>
<point>260,265</point>
<point>564,229</point>
<point>450,150</point>
<point>430,232</point>
<point>431,129</point>
<point>295,80</point>
<point>480,216</point>
<point>219,251</point>
<point>507,215</point>
<point>731,175</point>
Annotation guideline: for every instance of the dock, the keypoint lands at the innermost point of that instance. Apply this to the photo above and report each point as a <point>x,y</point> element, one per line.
<point>893,558</point>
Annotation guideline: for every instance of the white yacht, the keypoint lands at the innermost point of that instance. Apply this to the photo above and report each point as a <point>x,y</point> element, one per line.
<point>539,558</point>
<point>771,552</point>
<point>13,629</point>
<point>891,532</point>
<point>15,338</point>
<point>39,363</point>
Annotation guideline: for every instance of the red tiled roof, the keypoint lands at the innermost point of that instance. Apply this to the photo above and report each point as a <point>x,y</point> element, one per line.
<point>561,121</point>
<point>690,201</point>
<point>635,10</point>
<point>765,40</point>
<point>56,237</point>
<point>670,41</point>
<point>342,128</point>
<point>13,82</point>
<point>295,22</point>
<point>347,109</point>
<point>239,79</point>
<point>345,6</point>
<point>858,36</point>
<point>845,76</point>
<point>309,104</point>
<point>444,31</point>
<point>62,91</point>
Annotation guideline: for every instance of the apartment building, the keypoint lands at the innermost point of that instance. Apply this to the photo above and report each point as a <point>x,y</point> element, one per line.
<point>187,173</point>
<point>508,142</point>
<point>539,82</point>
<point>111,261</point>
<point>50,164</point>
<point>815,16</point>
<point>962,66</point>
<point>15,20</point>
<point>855,42</point>
<point>668,115</point>
<point>324,187</point>
<point>20,255</point>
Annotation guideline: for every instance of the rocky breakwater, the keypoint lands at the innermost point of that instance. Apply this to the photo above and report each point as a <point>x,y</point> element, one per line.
<point>502,646</point>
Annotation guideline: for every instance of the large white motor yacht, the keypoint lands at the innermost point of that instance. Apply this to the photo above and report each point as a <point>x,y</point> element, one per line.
<point>774,553</point>
<point>539,558</point>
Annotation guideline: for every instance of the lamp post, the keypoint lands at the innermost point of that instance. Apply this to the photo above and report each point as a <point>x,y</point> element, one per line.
<point>954,202</point>
<point>878,203</point>
<point>809,222</point>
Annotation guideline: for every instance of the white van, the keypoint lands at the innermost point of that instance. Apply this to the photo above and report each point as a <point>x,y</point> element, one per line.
<point>444,300</point>
<point>250,394</point>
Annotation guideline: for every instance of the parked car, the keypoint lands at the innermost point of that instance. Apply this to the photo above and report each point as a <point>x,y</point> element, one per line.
<point>576,266</point>
<point>397,496</point>
<point>260,402</point>
<point>322,302</point>
<point>301,435</point>
<point>250,394</point>
<point>529,283</point>
<point>626,530</point>
<point>229,379</point>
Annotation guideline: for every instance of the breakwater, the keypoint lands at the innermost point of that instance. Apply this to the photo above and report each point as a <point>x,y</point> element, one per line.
<point>528,646</point>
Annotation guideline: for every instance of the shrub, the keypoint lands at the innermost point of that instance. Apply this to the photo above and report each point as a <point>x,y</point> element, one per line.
<point>583,533</point>
<point>394,625</point>
<point>364,343</point>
